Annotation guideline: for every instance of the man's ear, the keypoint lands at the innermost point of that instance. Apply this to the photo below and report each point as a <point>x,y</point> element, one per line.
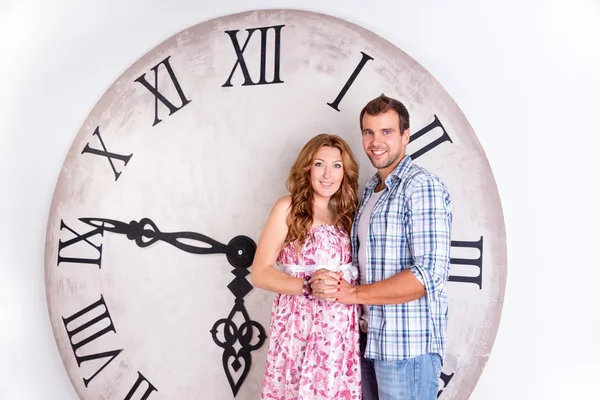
<point>406,136</point>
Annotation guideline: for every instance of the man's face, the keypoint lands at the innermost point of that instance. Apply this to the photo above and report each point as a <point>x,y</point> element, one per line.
<point>382,140</point>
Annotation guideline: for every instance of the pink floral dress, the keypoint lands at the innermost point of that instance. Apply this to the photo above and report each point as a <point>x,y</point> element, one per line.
<point>314,344</point>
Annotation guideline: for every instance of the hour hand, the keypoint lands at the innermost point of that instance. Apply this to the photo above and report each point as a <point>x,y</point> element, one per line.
<point>239,251</point>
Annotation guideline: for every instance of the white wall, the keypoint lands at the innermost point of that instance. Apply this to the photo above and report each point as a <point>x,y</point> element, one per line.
<point>525,73</point>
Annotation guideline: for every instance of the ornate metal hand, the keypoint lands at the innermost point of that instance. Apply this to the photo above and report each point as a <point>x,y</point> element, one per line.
<point>240,253</point>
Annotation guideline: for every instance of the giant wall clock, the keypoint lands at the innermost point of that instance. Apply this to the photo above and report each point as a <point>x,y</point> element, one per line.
<point>169,181</point>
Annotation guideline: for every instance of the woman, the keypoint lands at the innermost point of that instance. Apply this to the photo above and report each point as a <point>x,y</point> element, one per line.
<point>314,344</point>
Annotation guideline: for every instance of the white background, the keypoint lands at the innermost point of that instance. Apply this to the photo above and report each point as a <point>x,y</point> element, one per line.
<point>525,73</point>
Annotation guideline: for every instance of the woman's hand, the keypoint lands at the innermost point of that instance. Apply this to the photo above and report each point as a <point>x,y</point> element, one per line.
<point>331,286</point>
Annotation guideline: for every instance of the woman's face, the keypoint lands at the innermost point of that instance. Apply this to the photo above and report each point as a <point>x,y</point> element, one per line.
<point>327,171</point>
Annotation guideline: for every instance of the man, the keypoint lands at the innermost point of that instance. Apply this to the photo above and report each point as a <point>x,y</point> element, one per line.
<point>401,245</point>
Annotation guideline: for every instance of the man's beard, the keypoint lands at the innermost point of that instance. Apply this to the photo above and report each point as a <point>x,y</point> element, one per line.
<point>390,160</point>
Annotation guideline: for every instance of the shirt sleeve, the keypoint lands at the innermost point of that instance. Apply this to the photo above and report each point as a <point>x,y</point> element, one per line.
<point>428,229</point>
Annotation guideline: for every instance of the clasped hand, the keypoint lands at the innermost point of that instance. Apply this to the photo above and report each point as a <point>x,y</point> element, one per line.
<point>331,286</point>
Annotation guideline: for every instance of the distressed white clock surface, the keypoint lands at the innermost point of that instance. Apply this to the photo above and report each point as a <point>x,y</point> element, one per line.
<point>198,136</point>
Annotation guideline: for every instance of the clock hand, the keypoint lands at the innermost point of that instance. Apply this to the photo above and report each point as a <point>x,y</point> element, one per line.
<point>240,250</point>
<point>250,335</point>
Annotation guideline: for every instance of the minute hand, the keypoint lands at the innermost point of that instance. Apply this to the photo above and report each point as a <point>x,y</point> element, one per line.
<point>145,233</point>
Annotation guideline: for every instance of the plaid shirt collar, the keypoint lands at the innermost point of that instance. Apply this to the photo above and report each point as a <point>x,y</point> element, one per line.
<point>394,177</point>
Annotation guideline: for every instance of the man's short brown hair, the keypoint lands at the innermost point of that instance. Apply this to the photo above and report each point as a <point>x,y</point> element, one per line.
<point>381,104</point>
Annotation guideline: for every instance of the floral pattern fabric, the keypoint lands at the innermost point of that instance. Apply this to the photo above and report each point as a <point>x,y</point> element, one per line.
<point>314,344</point>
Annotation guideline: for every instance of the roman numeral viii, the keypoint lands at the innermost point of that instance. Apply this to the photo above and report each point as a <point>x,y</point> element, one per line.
<point>89,325</point>
<point>82,324</point>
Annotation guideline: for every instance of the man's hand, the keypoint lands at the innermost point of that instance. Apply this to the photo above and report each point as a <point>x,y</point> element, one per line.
<point>331,286</point>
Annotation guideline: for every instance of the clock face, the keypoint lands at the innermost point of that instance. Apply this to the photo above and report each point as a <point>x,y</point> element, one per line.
<point>168,183</point>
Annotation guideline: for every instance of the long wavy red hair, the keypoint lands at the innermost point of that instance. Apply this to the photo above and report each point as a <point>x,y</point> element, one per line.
<point>302,192</point>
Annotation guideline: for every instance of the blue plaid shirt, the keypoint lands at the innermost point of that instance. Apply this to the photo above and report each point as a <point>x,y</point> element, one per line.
<point>409,229</point>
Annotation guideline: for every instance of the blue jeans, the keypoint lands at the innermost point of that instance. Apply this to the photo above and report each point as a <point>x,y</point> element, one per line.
<point>413,379</point>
